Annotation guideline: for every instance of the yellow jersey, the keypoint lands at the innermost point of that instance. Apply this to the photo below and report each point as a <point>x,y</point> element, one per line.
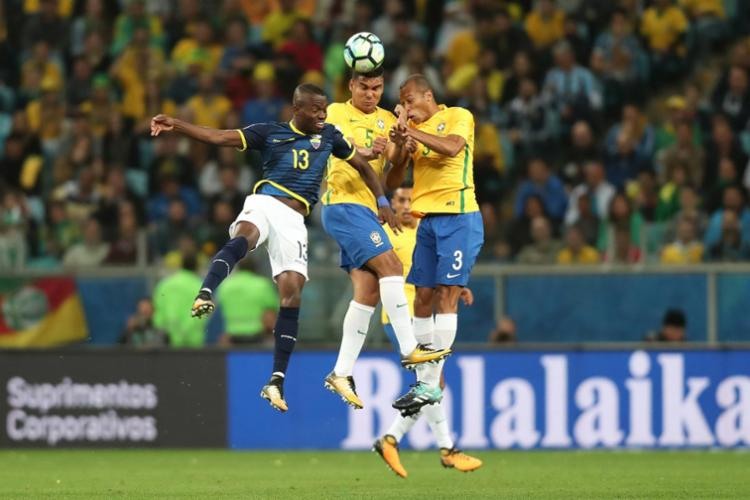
<point>344,184</point>
<point>443,184</point>
<point>403,244</point>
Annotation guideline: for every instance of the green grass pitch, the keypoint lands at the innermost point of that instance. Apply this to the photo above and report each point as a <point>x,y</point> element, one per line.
<point>203,474</point>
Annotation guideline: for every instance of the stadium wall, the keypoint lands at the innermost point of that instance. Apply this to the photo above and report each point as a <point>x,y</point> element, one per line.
<point>495,399</point>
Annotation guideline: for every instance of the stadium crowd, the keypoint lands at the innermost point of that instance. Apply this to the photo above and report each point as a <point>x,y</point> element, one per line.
<point>605,131</point>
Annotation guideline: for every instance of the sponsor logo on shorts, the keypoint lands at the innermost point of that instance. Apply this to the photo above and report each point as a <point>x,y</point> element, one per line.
<point>376,238</point>
<point>451,276</point>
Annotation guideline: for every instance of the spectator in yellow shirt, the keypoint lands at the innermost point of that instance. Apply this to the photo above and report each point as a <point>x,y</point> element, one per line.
<point>198,48</point>
<point>40,67</point>
<point>137,64</point>
<point>545,24</point>
<point>208,108</point>
<point>576,250</point>
<point>664,26</point>
<point>278,23</point>
<point>686,249</point>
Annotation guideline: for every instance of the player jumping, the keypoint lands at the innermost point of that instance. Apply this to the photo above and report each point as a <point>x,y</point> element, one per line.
<point>349,217</point>
<point>387,446</point>
<point>450,233</point>
<point>295,156</point>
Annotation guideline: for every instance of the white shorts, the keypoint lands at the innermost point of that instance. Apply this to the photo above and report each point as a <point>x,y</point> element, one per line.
<point>281,228</point>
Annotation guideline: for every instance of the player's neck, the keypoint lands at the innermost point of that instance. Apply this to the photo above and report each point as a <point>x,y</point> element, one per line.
<point>363,111</point>
<point>432,111</point>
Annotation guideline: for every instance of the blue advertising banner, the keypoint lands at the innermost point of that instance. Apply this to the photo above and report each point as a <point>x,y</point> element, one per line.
<point>554,399</point>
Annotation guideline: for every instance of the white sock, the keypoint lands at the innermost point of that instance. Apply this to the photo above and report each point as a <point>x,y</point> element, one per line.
<point>356,324</point>
<point>396,306</point>
<point>402,425</point>
<point>435,415</point>
<point>424,331</point>
<point>445,330</point>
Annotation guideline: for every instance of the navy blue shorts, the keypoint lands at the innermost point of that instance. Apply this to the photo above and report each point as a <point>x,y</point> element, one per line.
<point>357,231</point>
<point>447,248</point>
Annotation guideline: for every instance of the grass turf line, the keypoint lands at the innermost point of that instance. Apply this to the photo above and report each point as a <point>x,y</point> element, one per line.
<point>301,475</point>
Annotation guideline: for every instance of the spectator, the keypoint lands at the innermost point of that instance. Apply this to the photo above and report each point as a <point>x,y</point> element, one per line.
<point>588,222</point>
<point>545,24</point>
<point>278,23</point>
<point>629,146</point>
<point>78,86</point>
<point>95,18</point>
<point>722,144</point>
<point>690,206</point>
<point>623,251</point>
<point>505,38</point>
<point>128,22</point>
<point>728,176</point>
<point>664,26</point>
<point>13,225</point>
<point>522,68</point>
<point>248,304</point>
<point>734,199</point>
<point>199,48</point>
<point>46,25</point>
<point>685,154</point>
<point>573,88</point>
<point>165,232</point>
<point>686,249</point>
<point>600,190</point>
<point>547,186</point>
<point>543,249</point>
<point>414,61</point>
<point>576,251</point>
<point>732,98</point>
<point>140,331</point>
<point>208,108</point>
<point>582,150</point>
<point>621,216</point>
<point>222,215</point>
<point>730,247</point>
<point>519,234</point>
<point>530,127</point>
<point>616,60</point>
<point>91,252</point>
<point>385,25</point>
<point>124,248</point>
<point>672,328</point>
<point>266,105</point>
<point>644,192</point>
<point>59,232</point>
<point>504,332</point>
<point>302,46</point>
<point>669,194</point>
<point>173,299</point>
<point>687,109</point>
<point>235,44</point>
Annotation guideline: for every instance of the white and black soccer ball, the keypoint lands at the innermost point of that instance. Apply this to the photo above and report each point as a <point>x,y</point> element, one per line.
<point>364,52</point>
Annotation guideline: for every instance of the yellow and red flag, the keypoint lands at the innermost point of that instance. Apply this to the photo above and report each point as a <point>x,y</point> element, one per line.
<point>43,312</point>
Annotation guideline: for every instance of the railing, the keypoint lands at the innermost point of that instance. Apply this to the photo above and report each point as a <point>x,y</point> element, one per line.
<point>577,304</point>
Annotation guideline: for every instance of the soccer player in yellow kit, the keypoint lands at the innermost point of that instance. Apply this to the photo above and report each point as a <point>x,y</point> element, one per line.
<point>449,237</point>
<point>350,217</point>
<point>387,446</point>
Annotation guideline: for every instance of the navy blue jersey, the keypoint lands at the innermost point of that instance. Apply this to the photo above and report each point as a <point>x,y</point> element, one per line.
<point>294,162</point>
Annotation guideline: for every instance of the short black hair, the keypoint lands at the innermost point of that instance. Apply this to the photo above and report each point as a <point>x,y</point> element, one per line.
<point>674,317</point>
<point>419,80</point>
<point>307,89</point>
<point>375,73</point>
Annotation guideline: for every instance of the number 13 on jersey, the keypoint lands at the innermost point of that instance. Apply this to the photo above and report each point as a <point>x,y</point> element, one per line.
<point>300,158</point>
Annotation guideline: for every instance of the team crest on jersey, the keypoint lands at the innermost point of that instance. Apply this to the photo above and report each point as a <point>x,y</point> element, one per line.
<point>441,127</point>
<point>375,237</point>
<point>381,124</point>
<point>315,141</point>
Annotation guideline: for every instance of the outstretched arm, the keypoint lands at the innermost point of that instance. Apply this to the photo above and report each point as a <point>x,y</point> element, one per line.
<point>217,137</point>
<point>373,183</point>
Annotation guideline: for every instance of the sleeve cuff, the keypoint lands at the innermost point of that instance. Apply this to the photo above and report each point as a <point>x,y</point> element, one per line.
<point>351,155</point>
<point>244,141</point>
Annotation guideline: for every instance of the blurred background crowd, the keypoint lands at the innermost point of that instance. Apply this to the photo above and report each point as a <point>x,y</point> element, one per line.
<point>609,132</point>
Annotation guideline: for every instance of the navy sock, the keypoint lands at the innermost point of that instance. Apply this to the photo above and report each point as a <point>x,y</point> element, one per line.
<point>285,333</point>
<point>224,261</point>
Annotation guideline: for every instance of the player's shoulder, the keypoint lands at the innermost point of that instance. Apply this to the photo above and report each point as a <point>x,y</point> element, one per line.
<point>387,116</point>
<point>459,113</point>
<point>263,128</point>
<point>330,130</point>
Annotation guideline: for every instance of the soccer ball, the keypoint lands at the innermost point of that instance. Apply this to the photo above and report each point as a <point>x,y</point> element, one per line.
<point>364,52</point>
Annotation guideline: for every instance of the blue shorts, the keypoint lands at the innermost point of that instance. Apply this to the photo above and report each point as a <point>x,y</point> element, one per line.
<point>447,248</point>
<point>357,231</point>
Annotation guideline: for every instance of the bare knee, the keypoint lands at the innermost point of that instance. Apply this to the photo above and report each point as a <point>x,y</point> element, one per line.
<point>386,264</point>
<point>290,286</point>
<point>367,297</point>
<point>446,299</point>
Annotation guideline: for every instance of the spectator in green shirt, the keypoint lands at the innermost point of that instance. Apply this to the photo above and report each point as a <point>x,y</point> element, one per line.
<point>248,303</point>
<point>173,298</point>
